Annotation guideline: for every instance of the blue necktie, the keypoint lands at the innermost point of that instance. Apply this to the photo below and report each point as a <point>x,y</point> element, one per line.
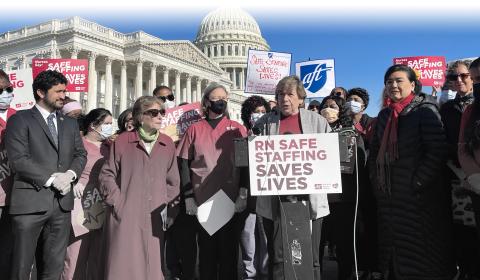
<point>51,127</point>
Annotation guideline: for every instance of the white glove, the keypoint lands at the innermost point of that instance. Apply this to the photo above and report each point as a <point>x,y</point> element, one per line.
<point>241,202</point>
<point>474,182</point>
<point>78,190</point>
<point>166,220</point>
<point>191,206</point>
<point>63,182</point>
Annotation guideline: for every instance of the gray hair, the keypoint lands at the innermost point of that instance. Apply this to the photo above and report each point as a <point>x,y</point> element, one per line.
<point>206,94</point>
<point>141,105</point>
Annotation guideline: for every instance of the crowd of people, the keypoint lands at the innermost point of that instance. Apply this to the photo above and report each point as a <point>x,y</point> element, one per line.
<point>410,203</point>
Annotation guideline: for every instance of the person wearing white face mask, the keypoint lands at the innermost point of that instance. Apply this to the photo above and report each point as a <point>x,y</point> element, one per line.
<point>253,241</point>
<point>6,181</point>
<point>357,103</point>
<point>89,264</point>
<point>330,110</point>
<point>166,95</point>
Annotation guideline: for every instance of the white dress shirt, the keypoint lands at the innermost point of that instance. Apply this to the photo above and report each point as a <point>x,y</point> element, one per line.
<point>45,115</point>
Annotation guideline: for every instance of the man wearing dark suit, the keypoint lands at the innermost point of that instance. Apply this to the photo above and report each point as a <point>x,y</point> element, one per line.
<point>46,154</point>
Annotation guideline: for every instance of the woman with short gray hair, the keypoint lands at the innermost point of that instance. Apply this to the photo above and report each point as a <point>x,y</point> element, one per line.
<point>205,155</point>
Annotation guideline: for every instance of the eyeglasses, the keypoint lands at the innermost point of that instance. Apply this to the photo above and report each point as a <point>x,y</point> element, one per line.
<point>454,77</point>
<point>170,97</point>
<point>338,93</point>
<point>7,89</point>
<point>154,112</point>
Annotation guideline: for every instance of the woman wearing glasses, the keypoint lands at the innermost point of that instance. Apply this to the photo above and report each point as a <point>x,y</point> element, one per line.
<point>140,182</point>
<point>6,178</point>
<point>460,81</point>
<point>206,166</point>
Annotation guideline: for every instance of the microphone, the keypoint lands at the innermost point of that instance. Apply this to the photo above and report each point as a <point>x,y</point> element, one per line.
<point>256,131</point>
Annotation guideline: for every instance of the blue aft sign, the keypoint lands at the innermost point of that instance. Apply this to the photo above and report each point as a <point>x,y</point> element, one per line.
<point>318,76</point>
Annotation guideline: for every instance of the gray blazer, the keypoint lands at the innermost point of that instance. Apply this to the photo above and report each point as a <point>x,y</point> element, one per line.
<point>311,122</point>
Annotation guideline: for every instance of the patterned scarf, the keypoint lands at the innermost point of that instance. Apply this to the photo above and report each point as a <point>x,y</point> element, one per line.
<point>388,151</point>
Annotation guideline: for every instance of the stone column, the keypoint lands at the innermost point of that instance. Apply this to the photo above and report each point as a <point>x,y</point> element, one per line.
<point>74,55</point>
<point>92,83</point>
<point>123,86</point>
<point>242,79</point>
<point>211,51</point>
<point>178,90</point>
<point>108,100</point>
<point>198,95</point>
<point>139,79</point>
<point>234,80</point>
<point>153,78</point>
<point>165,76</point>
<point>4,64</point>
<point>189,89</point>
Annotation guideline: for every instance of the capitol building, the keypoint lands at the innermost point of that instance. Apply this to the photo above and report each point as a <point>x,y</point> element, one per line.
<point>125,66</point>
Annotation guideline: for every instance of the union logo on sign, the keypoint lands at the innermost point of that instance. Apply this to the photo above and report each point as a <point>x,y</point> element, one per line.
<point>314,76</point>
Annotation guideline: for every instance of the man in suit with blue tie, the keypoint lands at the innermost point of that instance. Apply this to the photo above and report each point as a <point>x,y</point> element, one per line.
<point>47,156</point>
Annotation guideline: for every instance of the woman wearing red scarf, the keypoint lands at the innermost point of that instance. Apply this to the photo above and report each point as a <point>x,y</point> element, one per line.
<point>408,151</point>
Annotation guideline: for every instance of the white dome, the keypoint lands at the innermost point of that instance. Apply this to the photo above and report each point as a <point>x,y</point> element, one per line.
<point>228,20</point>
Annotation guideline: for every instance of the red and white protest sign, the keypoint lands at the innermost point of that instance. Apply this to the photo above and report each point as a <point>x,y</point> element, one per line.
<point>265,69</point>
<point>75,70</point>
<point>21,81</point>
<point>294,164</point>
<point>430,69</point>
<point>178,119</point>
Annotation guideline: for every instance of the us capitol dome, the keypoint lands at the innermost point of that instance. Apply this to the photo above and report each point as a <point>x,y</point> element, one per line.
<point>225,35</point>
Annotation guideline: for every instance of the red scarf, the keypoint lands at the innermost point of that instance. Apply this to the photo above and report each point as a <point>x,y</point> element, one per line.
<point>388,151</point>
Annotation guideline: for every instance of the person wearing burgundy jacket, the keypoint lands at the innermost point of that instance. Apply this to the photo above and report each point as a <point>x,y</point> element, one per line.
<point>6,177</point>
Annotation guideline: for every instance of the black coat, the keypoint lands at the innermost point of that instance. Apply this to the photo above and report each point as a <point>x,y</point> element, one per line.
<point>451,113</point>
<point>414,220</point>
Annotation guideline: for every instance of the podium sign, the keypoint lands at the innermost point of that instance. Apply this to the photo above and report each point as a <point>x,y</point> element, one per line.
<point>294,164</point>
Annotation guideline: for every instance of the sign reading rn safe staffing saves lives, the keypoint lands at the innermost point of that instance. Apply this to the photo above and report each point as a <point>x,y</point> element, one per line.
<point>430,69</point>
<point>75,70</point>
<point>294,164</point>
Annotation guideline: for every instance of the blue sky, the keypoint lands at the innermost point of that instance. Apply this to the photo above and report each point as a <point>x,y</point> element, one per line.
<point>363,44</point>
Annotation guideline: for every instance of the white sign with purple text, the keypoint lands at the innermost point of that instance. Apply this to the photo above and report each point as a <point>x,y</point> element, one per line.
<point>265,69</point>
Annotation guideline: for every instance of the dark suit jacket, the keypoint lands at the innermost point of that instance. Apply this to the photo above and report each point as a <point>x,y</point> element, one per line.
<point>34,158</point>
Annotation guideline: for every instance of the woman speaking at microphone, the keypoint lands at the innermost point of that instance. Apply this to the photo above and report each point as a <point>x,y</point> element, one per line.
<point>291,118</point>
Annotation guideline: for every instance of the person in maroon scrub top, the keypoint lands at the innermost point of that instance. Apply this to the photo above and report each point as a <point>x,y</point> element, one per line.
<point>206,160</point>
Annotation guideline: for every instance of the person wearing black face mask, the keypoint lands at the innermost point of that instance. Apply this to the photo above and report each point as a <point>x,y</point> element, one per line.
<point>469,150</point>
<point>205,156</point>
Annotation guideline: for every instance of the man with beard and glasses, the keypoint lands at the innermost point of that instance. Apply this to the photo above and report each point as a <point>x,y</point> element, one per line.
<point>47,156</point>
